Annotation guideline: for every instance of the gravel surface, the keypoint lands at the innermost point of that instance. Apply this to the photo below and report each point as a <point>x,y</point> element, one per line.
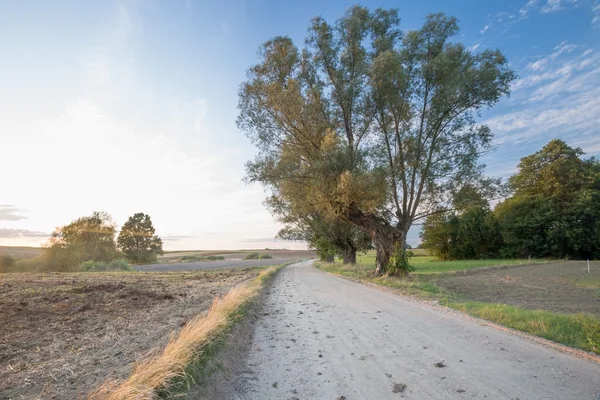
<point>322,337</point>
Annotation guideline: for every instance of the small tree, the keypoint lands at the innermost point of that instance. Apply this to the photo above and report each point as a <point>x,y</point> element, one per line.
<point>137,240</point>
<point>6,262</point>
<point>85,239</point>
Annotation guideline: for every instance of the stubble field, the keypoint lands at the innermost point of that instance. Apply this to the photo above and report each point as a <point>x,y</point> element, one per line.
<point>64,334</point>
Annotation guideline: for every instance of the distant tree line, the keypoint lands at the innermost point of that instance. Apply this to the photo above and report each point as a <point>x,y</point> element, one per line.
<point>553,211</point>
<point>90,241</point>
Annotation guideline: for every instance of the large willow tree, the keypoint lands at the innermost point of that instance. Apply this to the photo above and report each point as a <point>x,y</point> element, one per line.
<point>371,125</point>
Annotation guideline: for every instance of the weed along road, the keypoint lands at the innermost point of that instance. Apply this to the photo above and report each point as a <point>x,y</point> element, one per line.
<point>322,337</point>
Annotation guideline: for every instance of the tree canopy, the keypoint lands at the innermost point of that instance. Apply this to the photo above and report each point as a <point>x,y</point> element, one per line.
<point>137,239</point>
<point>328,237</point>
<point>370,125</point>
<point>555,207</point>
<point>553,211</point>
<point>89,238</point>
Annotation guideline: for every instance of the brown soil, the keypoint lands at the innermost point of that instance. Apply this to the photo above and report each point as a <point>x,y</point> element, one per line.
<point>562,287</point>
<point>20,251</point>
<point>61,335</point>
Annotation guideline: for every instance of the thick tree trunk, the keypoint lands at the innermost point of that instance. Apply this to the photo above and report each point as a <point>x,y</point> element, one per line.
<point>349,255</point>
<point>385,241</point>
<point>329,259</point>
<point>384,237</point>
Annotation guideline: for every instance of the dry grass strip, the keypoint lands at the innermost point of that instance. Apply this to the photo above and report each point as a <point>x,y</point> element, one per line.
<point>155,372</point>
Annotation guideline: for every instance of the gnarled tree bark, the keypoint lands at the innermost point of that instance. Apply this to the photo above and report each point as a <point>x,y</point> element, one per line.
<point>385,236</point>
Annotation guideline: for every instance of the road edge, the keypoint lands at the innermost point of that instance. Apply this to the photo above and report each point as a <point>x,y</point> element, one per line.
<point>225,367</point>
<point>579,353</point>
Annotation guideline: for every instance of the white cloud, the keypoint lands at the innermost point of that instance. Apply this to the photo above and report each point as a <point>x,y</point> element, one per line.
<point>504,20</point>
<point>596,15</point>
<point>558,95</point>
<point>529,6</point>
<point>485,28</point>
<point>475,46</point>
<point>557,5</point>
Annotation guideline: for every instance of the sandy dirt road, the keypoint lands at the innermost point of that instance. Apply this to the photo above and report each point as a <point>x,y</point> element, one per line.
<point>322,337</point>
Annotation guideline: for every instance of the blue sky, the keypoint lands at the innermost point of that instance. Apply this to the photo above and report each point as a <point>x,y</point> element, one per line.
<point>128,106</point>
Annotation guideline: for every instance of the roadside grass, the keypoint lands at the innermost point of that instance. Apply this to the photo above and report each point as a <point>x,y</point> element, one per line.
<point>173,370</point>
<point>576,330</point>
<point>580,330</point>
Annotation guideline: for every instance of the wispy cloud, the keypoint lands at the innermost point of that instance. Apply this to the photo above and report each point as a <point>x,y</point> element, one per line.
<point>175,238</point>
<point>21,233</point>
<point>10,213</point>
<point>475,46</point>
<point>528,8</point>
<point>557,5</point>
<point>502,21</point>
<point>596,14</point>
<point>556,96</point>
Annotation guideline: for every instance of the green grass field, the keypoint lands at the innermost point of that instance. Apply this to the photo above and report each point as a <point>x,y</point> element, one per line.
<point>425,264</point>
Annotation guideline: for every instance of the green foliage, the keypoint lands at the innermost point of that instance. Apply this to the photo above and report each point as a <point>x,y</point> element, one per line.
<point>555,207</point>
<point>252,256</point>
<point>137,240</point>
<point>329,237</point>
<point>474,233</point>
<point>86,238</point>
<point>214,258</point>
<point>370,126</point>
<point>257,256</point>
<point>400,261</point>
<point>554,212</point>
<point>191,257</point>
<point>101,266</point>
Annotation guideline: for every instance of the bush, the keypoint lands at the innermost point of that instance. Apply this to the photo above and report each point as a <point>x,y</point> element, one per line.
<point>119,264</point>
<point>191,257</point>
<point>213,258</point>
<point>252,256</point>
<point>6,263</point>
<point>28,265</point>
<point>265,257</point>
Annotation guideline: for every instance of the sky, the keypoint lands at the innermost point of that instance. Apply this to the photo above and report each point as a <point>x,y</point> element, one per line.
<point>130,106</point>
